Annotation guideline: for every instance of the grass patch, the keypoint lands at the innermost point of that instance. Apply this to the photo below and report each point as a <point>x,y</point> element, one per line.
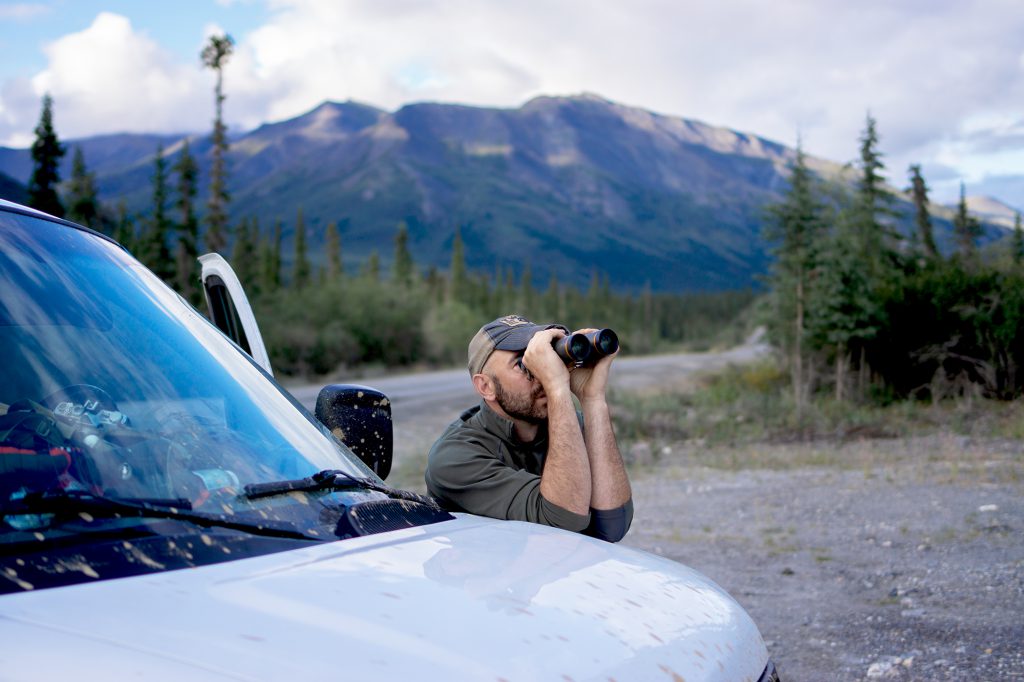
<point>753,404</point>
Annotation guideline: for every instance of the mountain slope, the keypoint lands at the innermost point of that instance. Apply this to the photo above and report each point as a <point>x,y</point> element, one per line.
<point>12,190</point>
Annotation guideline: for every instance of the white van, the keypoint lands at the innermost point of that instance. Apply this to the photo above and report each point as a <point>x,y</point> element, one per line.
<point>170,513</point>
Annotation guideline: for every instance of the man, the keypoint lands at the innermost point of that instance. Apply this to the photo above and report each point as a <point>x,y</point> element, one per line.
<point>524,453</point>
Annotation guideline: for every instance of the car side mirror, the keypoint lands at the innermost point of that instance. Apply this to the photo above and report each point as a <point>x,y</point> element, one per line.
<point>360,417</point>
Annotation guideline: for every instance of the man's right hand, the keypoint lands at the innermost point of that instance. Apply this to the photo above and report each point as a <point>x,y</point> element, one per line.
<point>543,362</point>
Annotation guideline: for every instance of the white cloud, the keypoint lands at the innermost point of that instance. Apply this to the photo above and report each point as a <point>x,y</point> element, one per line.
<point>933,72</point>
<point>108,78</point>
<point>23,11</point>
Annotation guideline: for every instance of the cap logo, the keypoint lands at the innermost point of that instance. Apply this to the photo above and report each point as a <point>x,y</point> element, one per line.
<point>514,321</point>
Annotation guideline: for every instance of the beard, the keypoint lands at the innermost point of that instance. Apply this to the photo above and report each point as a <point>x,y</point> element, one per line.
<point>522,407</point>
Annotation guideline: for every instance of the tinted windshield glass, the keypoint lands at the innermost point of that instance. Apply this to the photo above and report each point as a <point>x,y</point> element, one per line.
<point>112,384</point>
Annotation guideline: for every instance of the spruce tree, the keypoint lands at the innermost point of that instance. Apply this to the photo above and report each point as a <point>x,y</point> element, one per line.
<point>371,268</point>
<point>403,269</point>
<point>553,298</point>
<point>866,229</point>
<point>796,227</point>
<point>526,292</point>
<point>301,269</point>
<point>457,269</point>
<point>187,248</point>
<point>244,255</point>
<point>215,55</point>
<point>966,228</point>
<point>46,155</point>
<point>124,231</point>
<point>919,194</point>
<point>153,251</point>
<point>271,270</point>
<point>332,242</point>
<point>873,211</point>
<point>83,206</point>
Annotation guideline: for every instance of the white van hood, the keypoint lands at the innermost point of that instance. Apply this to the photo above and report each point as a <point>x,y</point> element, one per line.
<point>469,599</point>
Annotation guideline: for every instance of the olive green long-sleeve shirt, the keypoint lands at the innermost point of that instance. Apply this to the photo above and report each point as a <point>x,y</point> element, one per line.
<point>479,466</point>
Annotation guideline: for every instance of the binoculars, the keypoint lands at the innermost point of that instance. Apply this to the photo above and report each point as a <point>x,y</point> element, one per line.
<point>584,350</point>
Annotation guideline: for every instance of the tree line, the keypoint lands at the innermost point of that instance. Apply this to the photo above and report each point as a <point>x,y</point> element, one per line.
<point>865,311</point>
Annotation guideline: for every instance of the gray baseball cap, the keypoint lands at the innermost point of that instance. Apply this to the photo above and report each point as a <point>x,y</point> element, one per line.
<point>511,332</point>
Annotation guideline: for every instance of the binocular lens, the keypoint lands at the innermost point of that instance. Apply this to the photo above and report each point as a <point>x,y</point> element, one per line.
<point>573,349</point>
<point>606,341</point>
<point>579,347</point>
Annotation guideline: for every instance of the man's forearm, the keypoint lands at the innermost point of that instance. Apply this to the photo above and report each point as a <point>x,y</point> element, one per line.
<point>566,480</point>
<point>609,483</point>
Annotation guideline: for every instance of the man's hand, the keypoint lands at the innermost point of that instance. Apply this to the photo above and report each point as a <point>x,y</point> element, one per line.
<point>543,362</point>
<point>591,383</point>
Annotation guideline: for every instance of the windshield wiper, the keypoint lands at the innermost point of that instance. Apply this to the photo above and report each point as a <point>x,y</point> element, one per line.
<point>79,502</point>
<point>330,479</point>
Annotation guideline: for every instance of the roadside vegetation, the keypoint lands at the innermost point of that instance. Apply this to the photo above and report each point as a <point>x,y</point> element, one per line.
<point>744,406</point>
<point>868,314</point>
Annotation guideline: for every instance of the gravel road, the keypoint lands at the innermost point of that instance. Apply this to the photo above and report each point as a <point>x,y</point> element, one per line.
<point>896,559</point>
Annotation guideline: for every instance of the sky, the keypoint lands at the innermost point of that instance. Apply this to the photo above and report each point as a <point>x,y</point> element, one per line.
<point>944,79</point>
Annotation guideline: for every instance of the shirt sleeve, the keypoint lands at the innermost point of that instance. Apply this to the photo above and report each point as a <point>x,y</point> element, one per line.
<point>464,476</point>
<point>610,525</point>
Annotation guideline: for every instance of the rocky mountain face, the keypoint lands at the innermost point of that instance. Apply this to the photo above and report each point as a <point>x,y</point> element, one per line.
<point>564,185</point>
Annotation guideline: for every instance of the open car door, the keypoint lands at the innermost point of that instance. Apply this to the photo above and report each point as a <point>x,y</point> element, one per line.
<point>229,308</point>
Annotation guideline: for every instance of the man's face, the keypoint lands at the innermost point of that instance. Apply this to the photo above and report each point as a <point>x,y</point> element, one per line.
<point>515,391</point>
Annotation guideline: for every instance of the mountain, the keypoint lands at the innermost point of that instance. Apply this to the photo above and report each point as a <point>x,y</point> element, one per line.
<point>565,185</point>
<point>12,190</point>
<point>991,210</point>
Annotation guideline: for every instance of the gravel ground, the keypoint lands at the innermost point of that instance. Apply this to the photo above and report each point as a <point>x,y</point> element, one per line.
<point>891,560</point>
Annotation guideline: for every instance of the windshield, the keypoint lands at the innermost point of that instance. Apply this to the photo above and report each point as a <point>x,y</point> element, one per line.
<point>113,386</point>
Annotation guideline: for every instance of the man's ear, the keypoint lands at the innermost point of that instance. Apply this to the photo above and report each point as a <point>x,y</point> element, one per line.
<point>484,385</point>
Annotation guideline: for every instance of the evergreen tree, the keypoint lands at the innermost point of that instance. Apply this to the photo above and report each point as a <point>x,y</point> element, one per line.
<point>919,194</point>
<point>244,259</point>
<point>371,268</point>
<point>187,248</point>
<point>457,269</point>
<point>153,250</point>
<point>436,285</point>
<point>83,206</point>
<point>796,227</point>
<point>403,268</point>
<point>271,270</point>
<point>496,303</point>
<point>46,155</point>
<point>526,292</point>
<point>124,231</point>
<point>301,270</point>
<point>873,210</point>
<point>648,321</point>
<point>332,242</point>
<point>553,298</point>
<point>847,312</point>
<point>1018,240</point>
<point>966,228</point>
<point>215,55</point>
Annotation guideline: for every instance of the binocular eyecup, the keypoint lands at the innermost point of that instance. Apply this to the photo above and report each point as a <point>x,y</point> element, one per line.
<point>585,349</point>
